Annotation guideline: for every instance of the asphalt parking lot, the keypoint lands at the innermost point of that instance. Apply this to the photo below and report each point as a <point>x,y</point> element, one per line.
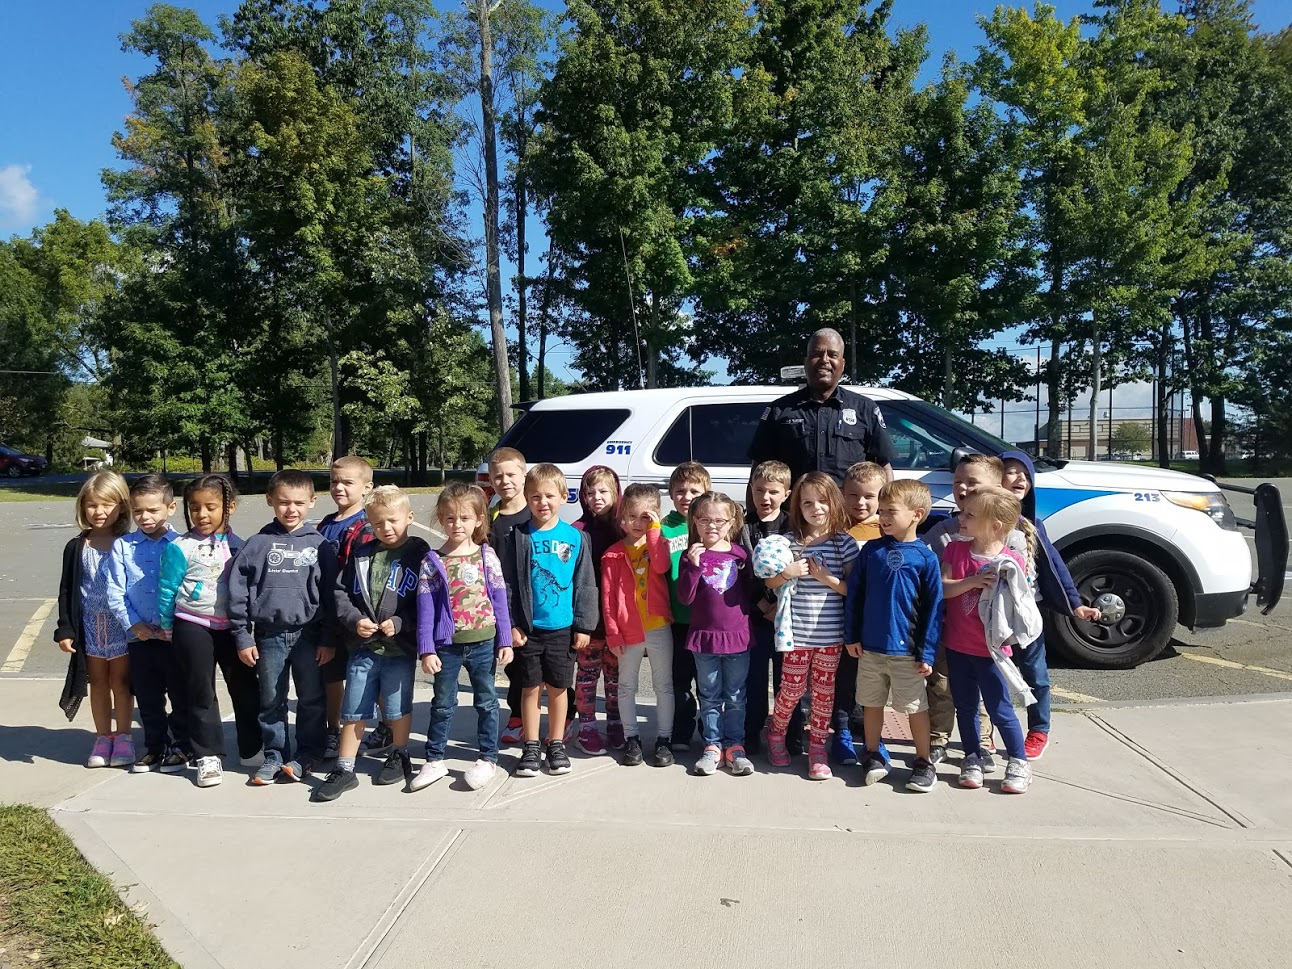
<point>1251,655</point>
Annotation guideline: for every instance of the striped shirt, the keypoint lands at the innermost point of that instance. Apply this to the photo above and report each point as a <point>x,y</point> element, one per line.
<point>816,610</point>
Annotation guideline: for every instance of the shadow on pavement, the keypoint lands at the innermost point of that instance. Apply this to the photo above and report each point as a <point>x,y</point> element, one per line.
<point>27,744</point>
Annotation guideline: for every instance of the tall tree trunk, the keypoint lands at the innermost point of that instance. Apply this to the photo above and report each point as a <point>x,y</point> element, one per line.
<point>948,378</point>
<point>493,279</point>
<point>251,465</point>
<point>1214,460</point>
<point>231,456</point>
<point>338,431</point>
<point>1054,403</point>
<point>421,457</point>
<point>278,448</point>
<point>1161,404</point>
<point>522,281</point>
<point>1096,358</point>
<point>544,310</point>
<point>204,449</point>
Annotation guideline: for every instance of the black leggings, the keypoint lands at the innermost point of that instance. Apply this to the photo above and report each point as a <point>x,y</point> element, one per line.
<point>198,650</point>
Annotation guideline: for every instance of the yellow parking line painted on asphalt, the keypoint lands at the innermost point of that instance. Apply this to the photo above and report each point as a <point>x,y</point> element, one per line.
<point>1231,665</point>
<point>1074,697</point>
<point>18,655</point>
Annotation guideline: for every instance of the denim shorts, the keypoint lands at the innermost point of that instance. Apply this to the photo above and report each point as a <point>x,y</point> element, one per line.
<point>369,676</point>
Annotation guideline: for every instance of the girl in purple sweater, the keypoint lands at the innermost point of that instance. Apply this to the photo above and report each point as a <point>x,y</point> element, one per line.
<point>715,579</point>
<point>462,620</point>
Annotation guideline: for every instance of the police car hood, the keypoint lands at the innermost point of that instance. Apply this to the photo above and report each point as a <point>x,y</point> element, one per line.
<point>1111,476</point>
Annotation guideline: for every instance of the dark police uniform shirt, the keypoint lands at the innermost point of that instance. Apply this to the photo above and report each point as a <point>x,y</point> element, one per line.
<point>828,436</point>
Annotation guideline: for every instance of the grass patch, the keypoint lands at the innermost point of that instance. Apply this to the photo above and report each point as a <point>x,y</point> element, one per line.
<point>54,904</point>
<point>46,492</point>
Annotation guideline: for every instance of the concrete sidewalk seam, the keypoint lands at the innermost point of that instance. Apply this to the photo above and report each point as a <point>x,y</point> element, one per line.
<point>552,784</point>
<point>1152,805</point>
<point>1237,817</point>
<point>368,948</point>
<point>180,944</point>
<point>1283,858</point>
<point>1181,701</point>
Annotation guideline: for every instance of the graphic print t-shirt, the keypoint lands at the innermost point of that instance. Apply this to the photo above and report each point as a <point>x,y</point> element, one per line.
<point>555,551</point>
<point>962,628</point>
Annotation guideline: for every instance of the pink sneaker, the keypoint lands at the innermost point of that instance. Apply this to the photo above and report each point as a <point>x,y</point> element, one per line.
<point>512,733</point>
<point>123,751</point>
<point>1035,744</point>
<point>777,753</point>
<point>589,740</point>
<point>818,765</point>
<point>102,752</point>
<point>615,739</point>
<point>571,731</point>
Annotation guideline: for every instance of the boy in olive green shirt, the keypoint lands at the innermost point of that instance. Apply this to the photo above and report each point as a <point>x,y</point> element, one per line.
<point>687,482</point>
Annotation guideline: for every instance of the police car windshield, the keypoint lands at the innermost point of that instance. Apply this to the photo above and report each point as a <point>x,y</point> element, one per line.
<point>975,437</point>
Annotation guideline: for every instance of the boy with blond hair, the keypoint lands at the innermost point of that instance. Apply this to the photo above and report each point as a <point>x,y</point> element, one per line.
<point>552,601</point>
<point>507,478</point>
<point>893,622</point>
<point>349,484</point>
<point>769,487</point>
<point>687,482</point>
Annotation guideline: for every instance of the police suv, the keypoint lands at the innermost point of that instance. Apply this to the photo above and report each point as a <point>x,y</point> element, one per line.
<point>1149,547</point>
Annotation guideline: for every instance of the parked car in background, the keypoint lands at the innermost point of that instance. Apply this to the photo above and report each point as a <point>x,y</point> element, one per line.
<point>16,464</point>
<point>1150,547</point>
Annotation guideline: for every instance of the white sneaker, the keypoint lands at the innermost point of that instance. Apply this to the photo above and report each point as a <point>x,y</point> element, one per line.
<point>479,774</point>
<point>431,772</point>
<point>1018,776</point>
<point>255,761</point>
<point>209,771</point>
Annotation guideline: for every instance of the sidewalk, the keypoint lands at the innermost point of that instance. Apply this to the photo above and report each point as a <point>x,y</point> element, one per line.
<point>1155,836</point>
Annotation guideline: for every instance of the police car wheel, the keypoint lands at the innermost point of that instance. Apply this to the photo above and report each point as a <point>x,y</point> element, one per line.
<point>1140,605</point>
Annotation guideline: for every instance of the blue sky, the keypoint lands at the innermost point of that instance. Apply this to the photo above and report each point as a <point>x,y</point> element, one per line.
<point>61,96</point>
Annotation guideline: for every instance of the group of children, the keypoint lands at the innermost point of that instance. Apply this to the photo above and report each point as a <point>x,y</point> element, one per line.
<point>834,602</point>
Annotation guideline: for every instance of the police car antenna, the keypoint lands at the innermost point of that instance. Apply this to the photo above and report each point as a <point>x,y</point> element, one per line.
<point>632,308</point>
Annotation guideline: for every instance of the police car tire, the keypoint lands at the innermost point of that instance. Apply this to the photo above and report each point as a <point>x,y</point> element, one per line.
<point>1153,611</point>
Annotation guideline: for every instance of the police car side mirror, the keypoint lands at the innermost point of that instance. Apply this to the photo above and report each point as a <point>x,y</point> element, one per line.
<point>958,455</point>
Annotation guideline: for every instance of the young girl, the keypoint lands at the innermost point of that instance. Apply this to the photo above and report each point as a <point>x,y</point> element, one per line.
<point>715,580</point>
<point>823,556</point>
<point>192,601</point>
<point>599,494</point>
<point>86,627</point>
<point>462,620</point>
<point>968,569</point>
<point>635,609</point>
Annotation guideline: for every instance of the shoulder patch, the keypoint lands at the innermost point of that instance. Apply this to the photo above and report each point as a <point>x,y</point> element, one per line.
<point>879,417</point>
<point>767,411</point>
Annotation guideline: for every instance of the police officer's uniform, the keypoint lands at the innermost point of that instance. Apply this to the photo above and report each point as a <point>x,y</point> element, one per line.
<point>830,435</point>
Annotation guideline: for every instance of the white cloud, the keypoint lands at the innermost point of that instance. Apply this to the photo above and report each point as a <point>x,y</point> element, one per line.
<point>18,196</point>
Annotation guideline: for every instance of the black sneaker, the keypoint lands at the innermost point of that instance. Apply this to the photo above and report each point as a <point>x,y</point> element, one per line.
<point>632,751</point>
<point>558,761</point>
<point>923,777</point>
<point>873,769</point>
<point>333,747</point>
<point>396,768</point>
<point>663,752</point>
<point>379,741</point>
<point>937,754</point>
<point>531,760</point>
<point>336,784</point>
<point>176,761</point>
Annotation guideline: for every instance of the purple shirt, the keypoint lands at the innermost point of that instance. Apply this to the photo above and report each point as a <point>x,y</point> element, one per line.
<point>718,592</point>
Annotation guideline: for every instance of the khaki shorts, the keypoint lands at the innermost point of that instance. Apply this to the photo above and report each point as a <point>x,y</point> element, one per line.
<point>879,673</point>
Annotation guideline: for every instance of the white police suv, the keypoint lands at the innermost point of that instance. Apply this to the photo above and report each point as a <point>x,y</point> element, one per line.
<point>1150,547</point>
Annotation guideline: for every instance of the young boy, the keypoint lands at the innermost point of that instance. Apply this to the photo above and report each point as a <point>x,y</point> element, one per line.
<point>350,483</point>
<point>975,471</point>
<point>280,603</point>
<point>599,496</point>
<point>1054,589</point>
<point>687,482</point>
<point>507,477</point>
<point>893,618</point>
<point>862,484</point>
<point>552,598</point>
<point>769,486</point>
<point>132,599</point>
<point>376,606</point>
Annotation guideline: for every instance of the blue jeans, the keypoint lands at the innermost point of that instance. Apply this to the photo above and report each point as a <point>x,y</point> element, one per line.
<point>970,678</point>
<point>720,681</point>
<point>1036,672</point>
<point>283,652</point>
<point>478,659</point>
<point>369,676</point>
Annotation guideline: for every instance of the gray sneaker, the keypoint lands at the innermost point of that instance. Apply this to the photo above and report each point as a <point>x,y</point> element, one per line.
<point>989,763</point>
<point>1018,776</point>
<point>738,763</point>
<point>709,761</point>
<point>971,772</point>
<point>923,777</point>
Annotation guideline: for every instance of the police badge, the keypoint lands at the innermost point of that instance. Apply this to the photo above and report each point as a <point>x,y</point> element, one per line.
<point>849,416</point>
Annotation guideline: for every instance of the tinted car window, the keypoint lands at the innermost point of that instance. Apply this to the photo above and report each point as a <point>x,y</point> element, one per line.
<point>713,434</point>
<point>924,436</point>
<point>563,436</point>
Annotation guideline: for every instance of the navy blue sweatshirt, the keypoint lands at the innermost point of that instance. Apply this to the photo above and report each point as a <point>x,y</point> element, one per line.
<point>894,603</point>
<point>1053,580</point>
<point>281,579</point>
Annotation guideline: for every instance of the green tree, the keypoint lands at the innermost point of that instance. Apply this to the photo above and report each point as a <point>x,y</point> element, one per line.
<point>1131,438</point>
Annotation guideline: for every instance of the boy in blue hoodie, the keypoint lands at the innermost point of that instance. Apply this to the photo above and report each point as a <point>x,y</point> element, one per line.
<point>1052,585</point>
<point>280,598</point>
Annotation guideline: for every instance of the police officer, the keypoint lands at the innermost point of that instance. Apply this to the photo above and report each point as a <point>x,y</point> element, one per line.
<point>823,427</point>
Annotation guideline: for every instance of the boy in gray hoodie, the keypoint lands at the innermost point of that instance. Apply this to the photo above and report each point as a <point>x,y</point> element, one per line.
<point>280,596</point>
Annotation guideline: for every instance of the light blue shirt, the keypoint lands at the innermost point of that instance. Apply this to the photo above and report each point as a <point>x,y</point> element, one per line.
<point>133,568</point>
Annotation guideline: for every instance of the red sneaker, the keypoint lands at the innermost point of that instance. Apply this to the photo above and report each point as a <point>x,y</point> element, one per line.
<point>1035,743</point>
<point>513,732</point>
